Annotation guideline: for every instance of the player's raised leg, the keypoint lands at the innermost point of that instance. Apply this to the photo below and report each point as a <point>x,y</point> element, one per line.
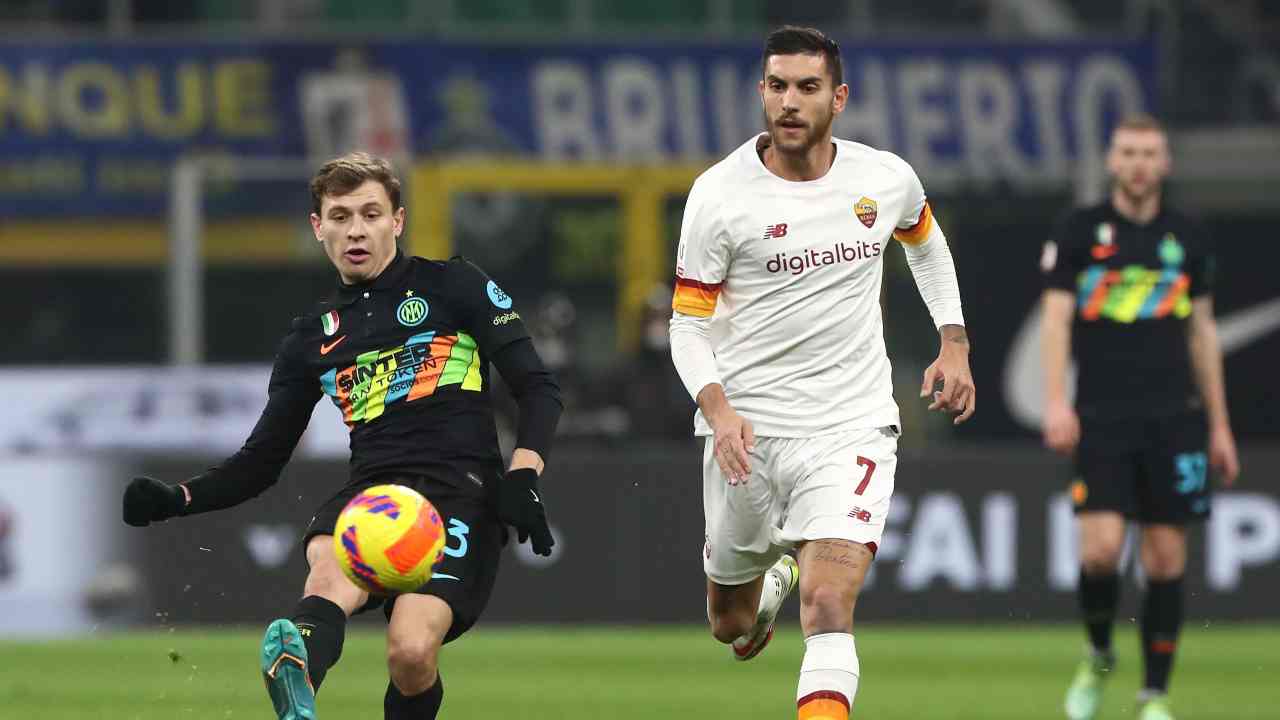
<point>298,651</point>
<point>1101,543</point>
<point>831,575</point>
<point>414,635</point>
<point>748,576</point>
<point>731,609</point>
<point>743,615</point>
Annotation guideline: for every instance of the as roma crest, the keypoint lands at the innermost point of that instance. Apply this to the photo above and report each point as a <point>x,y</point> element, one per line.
<point>866,210</point>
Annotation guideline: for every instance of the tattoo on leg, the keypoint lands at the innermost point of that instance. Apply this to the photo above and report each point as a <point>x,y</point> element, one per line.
<point>837,553</point>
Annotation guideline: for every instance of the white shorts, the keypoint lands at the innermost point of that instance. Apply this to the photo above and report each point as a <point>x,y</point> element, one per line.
<point>834,486</point>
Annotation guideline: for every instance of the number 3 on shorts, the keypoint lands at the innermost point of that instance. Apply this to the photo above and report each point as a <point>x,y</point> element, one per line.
<point>870,465</point>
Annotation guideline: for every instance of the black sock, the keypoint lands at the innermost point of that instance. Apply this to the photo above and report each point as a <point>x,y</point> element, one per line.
<point>422,706</point>
<point>323,626</point>
<point>1099,595</point>
<point>1161,620</point>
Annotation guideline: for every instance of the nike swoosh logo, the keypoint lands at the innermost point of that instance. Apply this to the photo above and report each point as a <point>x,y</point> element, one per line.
<point>1023,379</point>
<point>443,576</point>
<point>1241,328</point>
<point>326,347</point>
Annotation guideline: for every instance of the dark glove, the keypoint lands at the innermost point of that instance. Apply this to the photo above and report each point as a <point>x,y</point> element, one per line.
<point>520,506</point>
<point>148,500</point>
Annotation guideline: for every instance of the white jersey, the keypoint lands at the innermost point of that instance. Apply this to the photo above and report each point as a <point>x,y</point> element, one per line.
<point>790,275</point>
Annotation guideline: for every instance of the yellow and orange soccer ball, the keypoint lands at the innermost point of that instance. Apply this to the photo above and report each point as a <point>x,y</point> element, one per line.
<point>388,538</point>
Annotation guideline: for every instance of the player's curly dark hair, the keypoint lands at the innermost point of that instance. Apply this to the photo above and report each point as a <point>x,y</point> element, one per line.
<point>796,40</point>
<point>343,174</point>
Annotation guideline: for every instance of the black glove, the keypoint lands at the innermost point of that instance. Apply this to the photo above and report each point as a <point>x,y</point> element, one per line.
<point>148,500</point>
<point>520,506</point>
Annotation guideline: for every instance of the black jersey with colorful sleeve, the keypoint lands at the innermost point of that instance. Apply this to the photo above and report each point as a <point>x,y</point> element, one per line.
<point>405,358</point>
<point>1133,286</point>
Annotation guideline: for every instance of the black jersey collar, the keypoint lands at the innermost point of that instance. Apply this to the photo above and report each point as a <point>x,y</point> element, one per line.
<point>391,277</point>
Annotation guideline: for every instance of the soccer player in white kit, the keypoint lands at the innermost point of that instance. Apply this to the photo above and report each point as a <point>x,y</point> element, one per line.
<point>777,334</point>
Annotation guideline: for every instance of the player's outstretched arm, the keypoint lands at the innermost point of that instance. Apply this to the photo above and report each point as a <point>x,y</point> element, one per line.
<point>147,500</point>
<point>291,396</point>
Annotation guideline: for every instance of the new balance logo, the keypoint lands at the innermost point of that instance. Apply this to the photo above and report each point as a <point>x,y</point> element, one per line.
<point>775,231</point>
<point>859,514</point>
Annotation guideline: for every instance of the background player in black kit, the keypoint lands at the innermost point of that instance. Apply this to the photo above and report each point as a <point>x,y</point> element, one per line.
<point>403,348</point>
<point>1129,286</point>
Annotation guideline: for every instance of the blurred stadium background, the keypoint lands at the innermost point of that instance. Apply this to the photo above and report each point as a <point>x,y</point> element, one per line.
<point>154,245</point>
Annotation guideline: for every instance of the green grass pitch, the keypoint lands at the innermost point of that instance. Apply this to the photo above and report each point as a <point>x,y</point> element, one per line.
<point>1224,672</point>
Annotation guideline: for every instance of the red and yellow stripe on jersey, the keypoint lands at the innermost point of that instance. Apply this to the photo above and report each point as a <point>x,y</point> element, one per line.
<point>917,233</point>
<point>695,298</point>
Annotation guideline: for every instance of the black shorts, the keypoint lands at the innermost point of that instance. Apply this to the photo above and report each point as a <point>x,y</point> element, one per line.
<point>464,577</point>
<point>1153,470</point>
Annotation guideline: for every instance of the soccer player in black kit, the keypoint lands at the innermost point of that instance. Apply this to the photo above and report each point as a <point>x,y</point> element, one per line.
<point>1129,289</point>
<point>403,348</point>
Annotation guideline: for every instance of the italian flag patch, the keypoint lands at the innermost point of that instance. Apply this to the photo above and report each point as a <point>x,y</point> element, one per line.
<point>330,322</point>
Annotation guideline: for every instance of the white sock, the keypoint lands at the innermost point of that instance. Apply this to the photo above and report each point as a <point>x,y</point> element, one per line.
<point>828,677</point>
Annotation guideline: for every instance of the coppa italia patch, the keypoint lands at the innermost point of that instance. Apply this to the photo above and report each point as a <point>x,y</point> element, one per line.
<point>330,322</point>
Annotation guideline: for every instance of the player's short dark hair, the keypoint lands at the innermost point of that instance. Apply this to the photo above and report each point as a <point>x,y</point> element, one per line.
<point>796,40</point>
<point>343,174</point>
<point>1140,121</point>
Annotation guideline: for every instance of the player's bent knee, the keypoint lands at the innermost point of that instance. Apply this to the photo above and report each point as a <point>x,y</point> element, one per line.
<point>412,662</point>
<point>1101,558</point>
<point>728,627</point>
<point>1164,566</point>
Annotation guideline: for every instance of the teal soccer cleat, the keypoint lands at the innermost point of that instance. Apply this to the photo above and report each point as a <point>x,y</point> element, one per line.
<point>284,671</point>
<point>1156,708</point>
<point>1084,696</point>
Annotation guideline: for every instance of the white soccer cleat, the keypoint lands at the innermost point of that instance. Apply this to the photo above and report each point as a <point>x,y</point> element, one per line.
<point>785,576</point>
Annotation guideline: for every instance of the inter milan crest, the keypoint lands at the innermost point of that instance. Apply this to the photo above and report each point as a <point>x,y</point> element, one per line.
<point>866,210</point>
<point>412,311</point>
<point>1171,252</point>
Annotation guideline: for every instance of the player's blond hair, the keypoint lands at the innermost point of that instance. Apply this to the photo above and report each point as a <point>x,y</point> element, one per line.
<point>343,174</point>
<point>1140,121</point>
